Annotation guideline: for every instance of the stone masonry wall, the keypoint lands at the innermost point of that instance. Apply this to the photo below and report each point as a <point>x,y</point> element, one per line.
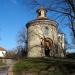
<point>38,30</point>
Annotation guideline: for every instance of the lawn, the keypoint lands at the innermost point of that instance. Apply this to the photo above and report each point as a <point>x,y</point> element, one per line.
<point>40,64</point>
<point>1,63</point>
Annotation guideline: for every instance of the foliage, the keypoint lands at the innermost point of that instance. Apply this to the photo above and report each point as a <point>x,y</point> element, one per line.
<point>29,64</point>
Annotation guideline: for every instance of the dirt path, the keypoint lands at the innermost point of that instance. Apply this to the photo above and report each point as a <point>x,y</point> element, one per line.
<point>10,69</point>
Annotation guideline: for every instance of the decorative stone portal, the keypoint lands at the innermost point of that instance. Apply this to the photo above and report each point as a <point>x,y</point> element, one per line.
<point>43,37</point>
<point>47,45</point>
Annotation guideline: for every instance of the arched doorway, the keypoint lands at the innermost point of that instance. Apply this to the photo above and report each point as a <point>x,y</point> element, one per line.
<point>47,44</point>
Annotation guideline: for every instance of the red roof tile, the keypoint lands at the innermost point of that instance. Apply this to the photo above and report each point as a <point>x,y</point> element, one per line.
<point>2,49</point>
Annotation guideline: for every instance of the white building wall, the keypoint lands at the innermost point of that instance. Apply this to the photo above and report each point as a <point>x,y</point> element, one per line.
<point>2,53</point>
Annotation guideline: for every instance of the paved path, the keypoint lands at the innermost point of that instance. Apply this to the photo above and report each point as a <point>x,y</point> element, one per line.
<point>10,69</point>
<point>3,70</point>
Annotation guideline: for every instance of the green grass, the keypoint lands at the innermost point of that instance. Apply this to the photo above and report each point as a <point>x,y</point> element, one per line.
<point>35,64</point>
<point>43,64</point>
<point>30,64</point>
<point>1,63</point>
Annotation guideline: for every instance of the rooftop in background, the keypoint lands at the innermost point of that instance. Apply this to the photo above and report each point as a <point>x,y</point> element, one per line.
<point>2,49</point>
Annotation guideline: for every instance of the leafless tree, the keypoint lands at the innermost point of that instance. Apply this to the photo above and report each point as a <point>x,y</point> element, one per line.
<point>22,42</point>
<point>65,8</point>
<point>62,7</point>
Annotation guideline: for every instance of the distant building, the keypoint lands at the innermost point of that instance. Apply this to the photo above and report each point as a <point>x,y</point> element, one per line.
<point>43,37</point>
<point>2,52</point>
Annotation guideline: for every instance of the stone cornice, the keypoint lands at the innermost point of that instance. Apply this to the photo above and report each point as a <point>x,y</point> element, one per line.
<point>38,22</point>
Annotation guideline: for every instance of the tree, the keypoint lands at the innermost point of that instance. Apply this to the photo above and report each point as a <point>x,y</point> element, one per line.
<point>62,7</point>
<point>67,8</point>
<point>10,54</point>
<point>22,43</point>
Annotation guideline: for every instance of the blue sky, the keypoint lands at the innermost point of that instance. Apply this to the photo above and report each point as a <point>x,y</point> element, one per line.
<point>14,14</point>
<point>13,17</point>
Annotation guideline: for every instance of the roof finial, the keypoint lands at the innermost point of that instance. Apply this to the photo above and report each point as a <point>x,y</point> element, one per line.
<point>42,12</point>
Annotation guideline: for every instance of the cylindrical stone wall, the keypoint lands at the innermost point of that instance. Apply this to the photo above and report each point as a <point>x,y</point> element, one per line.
<point>37,30</point>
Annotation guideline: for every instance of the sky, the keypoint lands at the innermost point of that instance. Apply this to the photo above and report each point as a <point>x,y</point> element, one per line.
<point>13,17</point>
<point>14,14</point>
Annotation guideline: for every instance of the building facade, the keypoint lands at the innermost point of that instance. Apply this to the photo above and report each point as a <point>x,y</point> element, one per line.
<point>2,52</point>
<point>43,37</point>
